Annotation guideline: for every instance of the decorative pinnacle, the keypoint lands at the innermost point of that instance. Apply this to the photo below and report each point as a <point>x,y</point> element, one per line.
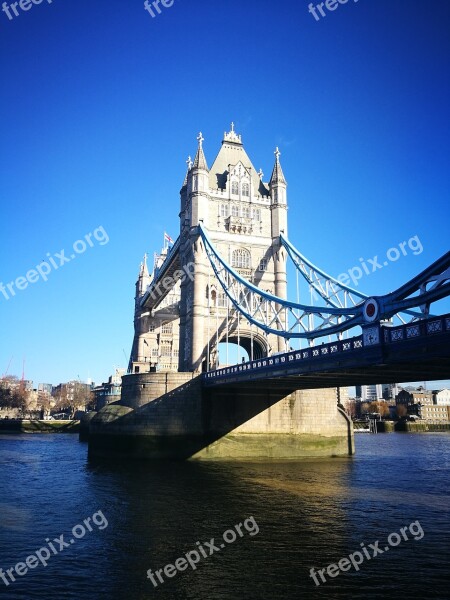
<point>232,136</point>
<point>277,153</point>
<point>189,162</point>
<point>260,174</point>
<point>200,139</point>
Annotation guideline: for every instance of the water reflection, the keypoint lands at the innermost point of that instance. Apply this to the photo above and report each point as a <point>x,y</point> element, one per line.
<point>309,513</point>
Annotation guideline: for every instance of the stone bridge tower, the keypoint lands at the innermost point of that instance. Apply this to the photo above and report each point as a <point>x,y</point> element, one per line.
<point>244,217</point>
<point>182,315</point>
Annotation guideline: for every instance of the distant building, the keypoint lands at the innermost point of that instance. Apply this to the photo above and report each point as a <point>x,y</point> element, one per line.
<point>45,387</point>
<point>109,392</point>
<point>28,385</point>
<point>419,396</point>
<point>430,413</point>
<point>73,394</point>
<point>441,398</point>
<point>369,393</point>
<point>389,390</point>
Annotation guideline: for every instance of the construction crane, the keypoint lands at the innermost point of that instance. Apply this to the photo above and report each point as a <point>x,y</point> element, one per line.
<point>7,368</point>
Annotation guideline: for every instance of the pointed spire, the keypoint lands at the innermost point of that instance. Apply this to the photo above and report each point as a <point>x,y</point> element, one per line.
<point>277,173</point>
<point>200,160</point>
<point>189,167</point>
<point>143,270</point>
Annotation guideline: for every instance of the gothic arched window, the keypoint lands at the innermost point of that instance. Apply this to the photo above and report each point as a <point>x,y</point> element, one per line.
<point>166,328</point>
<point>221,300</point>
<point>234,188</point>
<point>234,211</point>
<point>241,259</point>
<point>245,189</point>
<point>166,349</point>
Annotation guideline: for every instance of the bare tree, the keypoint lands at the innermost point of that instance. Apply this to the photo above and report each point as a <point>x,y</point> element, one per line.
<point>379,407</point>
<point>402,411</point>
<point>13,394</point>
<point>44,402</point>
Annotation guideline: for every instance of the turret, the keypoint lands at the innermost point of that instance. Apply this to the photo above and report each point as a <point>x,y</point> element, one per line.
<point>278,209</point>
<point>184,193</point>
<point>278,187</point>
<point>198,185</point>
<point>143,280</point>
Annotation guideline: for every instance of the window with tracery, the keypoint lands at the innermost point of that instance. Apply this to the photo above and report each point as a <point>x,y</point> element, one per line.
<point>221,300</point>
<point>166,328</point>
<point>245,189</point>
<point>166,349</point>
<point>234,187</point>
<point>241,259</point>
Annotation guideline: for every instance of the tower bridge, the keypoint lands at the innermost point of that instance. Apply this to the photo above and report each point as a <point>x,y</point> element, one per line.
<point>224,280</point>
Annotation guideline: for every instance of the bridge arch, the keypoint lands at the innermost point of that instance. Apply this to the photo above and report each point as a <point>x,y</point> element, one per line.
<point>254,343</point>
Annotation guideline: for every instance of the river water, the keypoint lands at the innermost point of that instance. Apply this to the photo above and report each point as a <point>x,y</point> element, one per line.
<point>293,516</point>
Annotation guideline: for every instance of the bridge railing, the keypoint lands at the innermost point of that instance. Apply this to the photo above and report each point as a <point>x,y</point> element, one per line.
<point>375,335</point>
<point>435,325</point>
<point>281,360</point>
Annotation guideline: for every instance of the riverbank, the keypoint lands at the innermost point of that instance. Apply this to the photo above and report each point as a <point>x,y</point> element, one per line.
<point>401,426</point>
<point>38,426</point>
<point>415,427</point>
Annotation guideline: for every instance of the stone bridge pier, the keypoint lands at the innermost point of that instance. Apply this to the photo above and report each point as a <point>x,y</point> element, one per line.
<point>191,422</point>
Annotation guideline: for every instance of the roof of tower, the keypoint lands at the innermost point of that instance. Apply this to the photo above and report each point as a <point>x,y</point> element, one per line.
<point>231,152</point>
<point>277,173</point>
<point>200,160</point>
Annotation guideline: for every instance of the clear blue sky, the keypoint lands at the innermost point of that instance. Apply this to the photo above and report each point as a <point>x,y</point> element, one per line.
<point>101,104</point>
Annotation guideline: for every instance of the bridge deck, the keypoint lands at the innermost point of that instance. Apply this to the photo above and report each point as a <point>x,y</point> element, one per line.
<point>413,352</point>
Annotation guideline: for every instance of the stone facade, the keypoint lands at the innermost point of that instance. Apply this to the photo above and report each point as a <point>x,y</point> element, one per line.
<point>187,423</point>
<point>244,217</point>
<point>442,397</point>
<point>168,414</point>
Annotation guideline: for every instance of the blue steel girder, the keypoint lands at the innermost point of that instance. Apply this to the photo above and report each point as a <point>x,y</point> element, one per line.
<point>294,320</point>
<point>169,269</point>
<point>331,290</point>
<point>427,287</point>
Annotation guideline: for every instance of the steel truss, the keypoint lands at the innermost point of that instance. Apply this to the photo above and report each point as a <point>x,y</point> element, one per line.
<point>332,291</point>
<point>294,320</point>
